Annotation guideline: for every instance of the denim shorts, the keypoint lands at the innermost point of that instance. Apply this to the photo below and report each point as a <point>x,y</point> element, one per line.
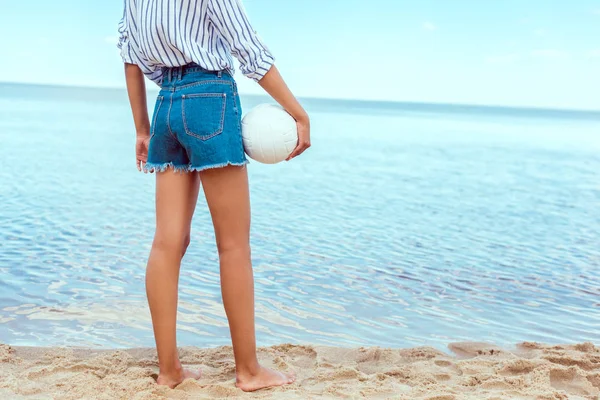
<point>197,121</point>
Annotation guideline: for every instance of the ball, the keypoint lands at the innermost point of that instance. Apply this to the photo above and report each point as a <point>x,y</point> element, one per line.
<point>269,133</point>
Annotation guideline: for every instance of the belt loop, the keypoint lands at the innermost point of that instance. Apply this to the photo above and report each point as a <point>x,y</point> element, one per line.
<point>219,74</point>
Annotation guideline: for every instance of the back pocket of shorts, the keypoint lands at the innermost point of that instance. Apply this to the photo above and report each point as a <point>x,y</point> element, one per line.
<point>204,114</point>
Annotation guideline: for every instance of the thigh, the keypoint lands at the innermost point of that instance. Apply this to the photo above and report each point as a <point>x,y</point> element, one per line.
<point>176,197</point>
<point>228,199</point>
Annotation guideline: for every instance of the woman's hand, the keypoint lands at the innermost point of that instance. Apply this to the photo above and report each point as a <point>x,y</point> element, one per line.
<point>136,89</point>
<point>141,151</point>
<point>303,137</point>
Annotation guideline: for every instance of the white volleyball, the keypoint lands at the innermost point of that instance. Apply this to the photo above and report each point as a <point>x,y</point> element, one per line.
<point>270,134</point>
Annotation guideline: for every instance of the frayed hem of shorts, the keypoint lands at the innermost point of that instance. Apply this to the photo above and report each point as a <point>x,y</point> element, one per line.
<point>214,166</point>
<point>163,167</point>
<point>188,168</point>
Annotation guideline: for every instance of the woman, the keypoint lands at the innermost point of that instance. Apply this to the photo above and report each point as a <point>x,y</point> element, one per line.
<point>185,46</point>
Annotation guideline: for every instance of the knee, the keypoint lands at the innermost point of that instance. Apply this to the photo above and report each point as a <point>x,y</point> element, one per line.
<point>233,247</point>
<point>170,243</point>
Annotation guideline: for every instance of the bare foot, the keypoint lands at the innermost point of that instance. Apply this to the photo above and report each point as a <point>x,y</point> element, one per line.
<point>264,378</point>
<point>176,378</point>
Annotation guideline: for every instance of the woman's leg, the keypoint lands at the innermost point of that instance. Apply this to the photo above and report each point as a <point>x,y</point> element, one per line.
<point>176,196</point>
<point>228,198</point>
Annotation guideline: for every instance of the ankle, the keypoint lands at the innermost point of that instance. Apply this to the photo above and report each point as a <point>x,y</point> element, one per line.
<point>172,370</point>
<point>249,369</point>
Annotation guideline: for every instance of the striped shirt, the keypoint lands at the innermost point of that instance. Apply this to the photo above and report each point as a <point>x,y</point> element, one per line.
<point>170,33</point>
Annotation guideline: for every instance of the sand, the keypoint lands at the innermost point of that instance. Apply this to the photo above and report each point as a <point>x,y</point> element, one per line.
<point>474,371</point>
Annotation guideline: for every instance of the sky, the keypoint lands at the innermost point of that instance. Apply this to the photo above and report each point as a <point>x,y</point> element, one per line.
<point>533,53</point>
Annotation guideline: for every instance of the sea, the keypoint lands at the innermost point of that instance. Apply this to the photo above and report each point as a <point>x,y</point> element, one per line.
<point>406,224</point>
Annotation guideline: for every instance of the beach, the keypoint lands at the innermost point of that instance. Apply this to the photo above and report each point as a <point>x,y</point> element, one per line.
<point>438,241</point>
<point>473,371</point>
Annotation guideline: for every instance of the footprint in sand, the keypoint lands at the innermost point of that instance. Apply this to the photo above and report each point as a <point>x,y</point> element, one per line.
<point>571,381</point>
<point>443,397</point>
<point>442,377</point>
<point>594,379</point>
<point>454,369</point>
<point>443,363</point>
<point>517,367</point>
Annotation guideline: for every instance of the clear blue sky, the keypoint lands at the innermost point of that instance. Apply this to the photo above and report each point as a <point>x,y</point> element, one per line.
<point>512,52</point>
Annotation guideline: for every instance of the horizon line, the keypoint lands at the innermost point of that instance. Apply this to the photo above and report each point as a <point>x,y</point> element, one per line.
<point>400,102</point>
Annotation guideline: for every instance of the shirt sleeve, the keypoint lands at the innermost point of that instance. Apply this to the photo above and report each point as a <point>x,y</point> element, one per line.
<point>130,53</point>
<point>231,22</point>
<point>124,43</point>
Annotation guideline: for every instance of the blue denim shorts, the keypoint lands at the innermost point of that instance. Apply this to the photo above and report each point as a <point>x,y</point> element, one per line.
<point>197,121</point>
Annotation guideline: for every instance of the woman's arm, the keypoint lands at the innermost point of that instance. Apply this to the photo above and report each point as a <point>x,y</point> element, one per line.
<point>274,84</point>
<point>136,89</point>
<point>256,61</point>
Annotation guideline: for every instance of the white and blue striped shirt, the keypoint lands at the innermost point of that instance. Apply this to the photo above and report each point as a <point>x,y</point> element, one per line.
<point>171,33</point>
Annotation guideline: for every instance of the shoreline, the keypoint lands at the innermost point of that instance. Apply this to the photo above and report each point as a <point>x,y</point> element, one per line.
<point>474,371</point>
<point>424,105</point>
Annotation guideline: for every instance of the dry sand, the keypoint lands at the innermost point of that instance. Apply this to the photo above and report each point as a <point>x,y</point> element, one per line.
<point>475,371</point>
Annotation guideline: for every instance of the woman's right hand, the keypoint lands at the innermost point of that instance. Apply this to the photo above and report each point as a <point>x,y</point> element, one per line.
<point>303,137</point>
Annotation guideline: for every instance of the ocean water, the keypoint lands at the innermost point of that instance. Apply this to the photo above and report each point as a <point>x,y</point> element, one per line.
<point>404,225</point>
